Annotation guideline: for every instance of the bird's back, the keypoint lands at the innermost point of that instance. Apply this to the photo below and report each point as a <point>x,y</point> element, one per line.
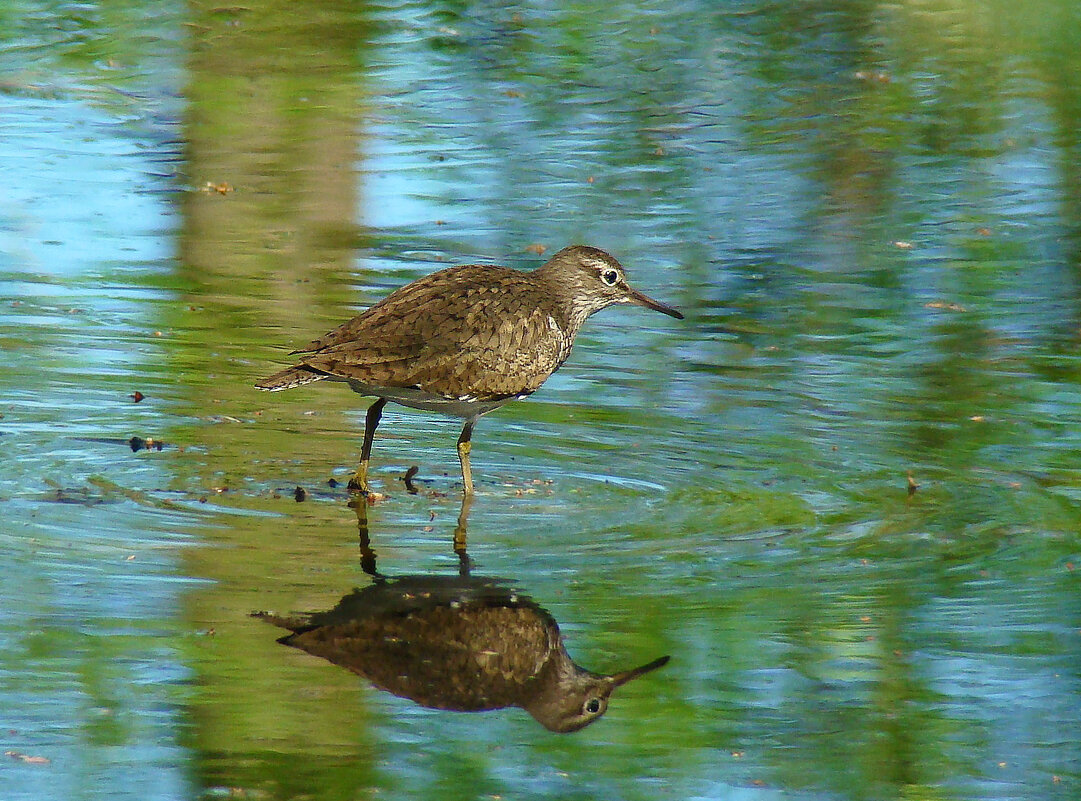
<point>480,332</point>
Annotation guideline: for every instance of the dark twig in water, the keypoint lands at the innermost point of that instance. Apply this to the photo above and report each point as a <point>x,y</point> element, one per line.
<point>138,444</point>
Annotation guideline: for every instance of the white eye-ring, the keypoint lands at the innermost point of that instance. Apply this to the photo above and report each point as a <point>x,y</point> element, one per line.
<point>610,276</point>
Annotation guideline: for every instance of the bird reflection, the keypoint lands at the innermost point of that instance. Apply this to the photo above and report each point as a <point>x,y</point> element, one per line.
<point>465,643</point>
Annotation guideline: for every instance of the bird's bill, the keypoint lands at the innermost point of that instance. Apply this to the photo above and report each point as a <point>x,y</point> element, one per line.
<point>634,296</point>
<point>619,679</point>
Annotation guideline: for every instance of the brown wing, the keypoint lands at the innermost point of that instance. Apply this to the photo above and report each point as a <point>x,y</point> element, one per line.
<point>384,318</point>
<point>476,331</point>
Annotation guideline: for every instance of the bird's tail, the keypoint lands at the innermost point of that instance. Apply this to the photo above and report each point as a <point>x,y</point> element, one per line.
<point>290,377</point>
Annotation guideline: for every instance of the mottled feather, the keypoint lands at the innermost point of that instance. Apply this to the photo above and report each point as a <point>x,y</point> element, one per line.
<point>464,340</point>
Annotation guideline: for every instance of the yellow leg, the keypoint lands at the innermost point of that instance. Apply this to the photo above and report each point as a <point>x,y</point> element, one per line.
<point>463,454</point>
<point>359,481</point>
<point>464,564</point>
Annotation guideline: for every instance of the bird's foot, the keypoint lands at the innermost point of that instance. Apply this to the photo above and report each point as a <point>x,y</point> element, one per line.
<point>363,493</point>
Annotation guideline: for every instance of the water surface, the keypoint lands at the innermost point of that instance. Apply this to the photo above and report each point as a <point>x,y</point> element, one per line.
<point>842,494</point>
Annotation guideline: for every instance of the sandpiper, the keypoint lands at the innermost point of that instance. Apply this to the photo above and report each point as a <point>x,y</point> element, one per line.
<point>465,340</point>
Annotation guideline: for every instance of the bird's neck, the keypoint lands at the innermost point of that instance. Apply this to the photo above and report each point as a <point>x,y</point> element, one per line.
<point>560,305</point>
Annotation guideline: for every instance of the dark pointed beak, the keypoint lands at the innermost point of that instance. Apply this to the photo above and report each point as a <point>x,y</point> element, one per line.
<point>634,296</point>
<point>619,679</point>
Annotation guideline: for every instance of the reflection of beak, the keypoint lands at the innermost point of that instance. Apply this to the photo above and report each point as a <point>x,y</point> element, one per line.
<point>634,296</point>
<point>619,679</point>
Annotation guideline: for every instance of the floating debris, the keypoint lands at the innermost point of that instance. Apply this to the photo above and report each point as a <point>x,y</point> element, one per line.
<point>30,760</point>
<point>872,76</point>
<point>938,304</point>
<point>140,444</point>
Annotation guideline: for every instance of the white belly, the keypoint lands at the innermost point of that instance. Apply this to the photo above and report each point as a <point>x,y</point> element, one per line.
<point>416,398</point>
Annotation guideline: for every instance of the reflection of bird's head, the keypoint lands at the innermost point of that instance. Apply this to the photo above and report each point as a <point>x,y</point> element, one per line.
<point>578,697</point>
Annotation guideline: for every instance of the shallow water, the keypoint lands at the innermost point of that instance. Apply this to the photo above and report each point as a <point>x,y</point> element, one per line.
<point>842,494</point>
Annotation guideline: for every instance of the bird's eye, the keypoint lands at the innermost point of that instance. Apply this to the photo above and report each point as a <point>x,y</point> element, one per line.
<point>593,706</point>
<point>610,277</point>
